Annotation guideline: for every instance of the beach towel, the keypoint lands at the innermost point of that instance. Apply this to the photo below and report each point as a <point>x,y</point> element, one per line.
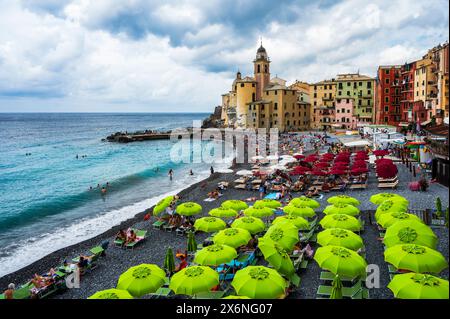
<point>209,199</point>
<point>273,196</point>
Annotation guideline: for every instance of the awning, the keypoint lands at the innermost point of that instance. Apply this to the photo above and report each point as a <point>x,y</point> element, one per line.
<point>357,143</point>
<point>425,122</point>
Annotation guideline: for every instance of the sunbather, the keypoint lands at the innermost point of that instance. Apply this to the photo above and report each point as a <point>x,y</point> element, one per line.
<point>308,251</point>
<point>9,293</point>
<point>121,235</point>
<point>131,238</point>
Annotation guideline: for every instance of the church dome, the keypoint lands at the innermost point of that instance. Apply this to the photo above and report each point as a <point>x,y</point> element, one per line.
<point>261,53</point>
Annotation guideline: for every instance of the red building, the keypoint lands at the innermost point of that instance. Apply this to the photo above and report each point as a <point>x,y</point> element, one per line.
<point>407,93</point>
<point>387,103</point>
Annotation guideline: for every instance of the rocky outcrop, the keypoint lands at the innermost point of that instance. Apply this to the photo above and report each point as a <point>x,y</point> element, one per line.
<point>214,120</point>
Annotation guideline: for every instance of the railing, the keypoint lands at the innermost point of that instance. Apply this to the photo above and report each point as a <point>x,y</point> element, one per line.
<point>439,148</point>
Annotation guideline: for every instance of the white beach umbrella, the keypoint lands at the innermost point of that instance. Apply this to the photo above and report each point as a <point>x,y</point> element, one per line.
<point>272,157</point>
<point>244,172</point>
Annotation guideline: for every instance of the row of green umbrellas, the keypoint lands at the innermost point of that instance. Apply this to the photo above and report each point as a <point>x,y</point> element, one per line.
<point>256,282</point>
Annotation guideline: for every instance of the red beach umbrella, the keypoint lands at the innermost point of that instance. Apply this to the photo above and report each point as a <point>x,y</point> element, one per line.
<point>336,171</point>
<point>299,157</point>
<point>387,170</point>
<point>359,171</point>
<point>318,173</point>
<point>322,165</point>
<point>381,153</point>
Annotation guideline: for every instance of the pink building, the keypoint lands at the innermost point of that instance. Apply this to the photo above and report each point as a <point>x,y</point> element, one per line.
<point>344,114</point>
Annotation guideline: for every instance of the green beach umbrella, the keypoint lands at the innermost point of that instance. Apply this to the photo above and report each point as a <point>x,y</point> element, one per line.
<point>270,203</point>
<point>233,237</point>
<point>419,286</point>
<point>343,199</point>
<point>252,224</point>
<point>142,279</point>
<point>169,261</point>
<point>340,261</point>
<point>209,224</point>
<point>235,204</point>
<point>377,199</point>
<point>215,255</point>
<point>340,237</point>
<point>191,243</point>
<point>276,256</point>
<point>336,288</point>
<point>162,205</point>
<point>189,209</point>
<point>389,219</point>
<point>259,212</point>
<point>111,294</point>
<point>284,234</point>
<point>259,282</point>
<point>415,258</point>
<point>390,206</point>
<point>222,212</point>
<point>235,297</point>
<point>302,211</point>
<point>297,221</point>
<point>341,221</point>
<point>194,279</point>
<point>304,201</point>
<point>410,232</point>
<point>340,208</point>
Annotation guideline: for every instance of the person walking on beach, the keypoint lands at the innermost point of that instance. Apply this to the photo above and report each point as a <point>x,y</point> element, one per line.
<point>171,174</point>
<point>212,170</point>
<point>191,172</point>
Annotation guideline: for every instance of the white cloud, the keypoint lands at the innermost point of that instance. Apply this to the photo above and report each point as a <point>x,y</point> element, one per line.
<point>163,56</point>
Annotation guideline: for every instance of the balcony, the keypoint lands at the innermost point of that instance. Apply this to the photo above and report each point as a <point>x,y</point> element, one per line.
<point>432,96</point>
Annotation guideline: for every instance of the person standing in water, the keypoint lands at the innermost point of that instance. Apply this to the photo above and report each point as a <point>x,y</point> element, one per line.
<point>171,174</point>
<point>191,172</point>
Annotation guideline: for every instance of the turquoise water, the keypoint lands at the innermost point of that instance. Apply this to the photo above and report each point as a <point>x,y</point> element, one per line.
<point>45,198</point>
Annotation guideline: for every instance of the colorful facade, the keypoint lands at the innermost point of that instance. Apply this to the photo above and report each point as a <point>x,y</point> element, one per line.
<point>344,114</point>
<point>388,95</point>
<point>322,95</point>
<point>360,88</point>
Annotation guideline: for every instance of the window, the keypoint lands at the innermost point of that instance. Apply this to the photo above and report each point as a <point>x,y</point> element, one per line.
<point>337,111</point>
<point>348,84</point>
<point>386,108</point>
<point>343,110</point>
<point>315,95</point>
<point>348,111</point>
<point>253,97</point>
<point>315,104</point>
<point>276,92</point>
<point>275,105</point>
<point>386,91</point>
<point>387,81</point>
<point>242,85</point>
<point>348,92</point>
<point>385,119</point>
<point>265,68</point>
<point>386,99</point>
<point>315,87</point>
<point>360,83</point>
<point>340,86</point>
<point>369,92</point>
<point>258,69</point>
<point>284,92</point>
<point>369,85</point>
<point>386,71</point>
<point>340,93</point>
<point>348,101</point>
<point>262,122</point>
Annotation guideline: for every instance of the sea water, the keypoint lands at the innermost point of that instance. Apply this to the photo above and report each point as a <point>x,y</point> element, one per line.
<point>45,198</point>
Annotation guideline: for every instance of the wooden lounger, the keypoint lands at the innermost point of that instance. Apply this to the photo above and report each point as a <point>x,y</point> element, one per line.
<point>256,187</point>
<point>358,186</point>
<point>240,186</point>
<point>387,180</point>
<point>388,185</point>
<point>240,180</point>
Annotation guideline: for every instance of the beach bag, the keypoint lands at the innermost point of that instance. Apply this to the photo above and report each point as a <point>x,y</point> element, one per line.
<point>147,216</point>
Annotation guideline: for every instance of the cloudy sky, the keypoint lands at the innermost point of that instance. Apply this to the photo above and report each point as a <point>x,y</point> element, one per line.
<point>153,56</point>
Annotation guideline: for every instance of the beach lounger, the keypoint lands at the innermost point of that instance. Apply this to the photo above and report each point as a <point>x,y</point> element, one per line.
<point>159,224</point>
<point>349,292</point>
<point>388,185</point>
<point>256,187</point>
<point>328,276</point>
<point>240,186</point>
<point>162,292</point>
<point>387,180</point>
<point>358,186</point>
<point>240,181</point>
<point>169,228</point>
<point>119,242</point>
<point>140,236</point>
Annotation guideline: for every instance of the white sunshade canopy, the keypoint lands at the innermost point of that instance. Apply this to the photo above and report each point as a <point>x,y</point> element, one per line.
<point>244,172</point>
<point>357,143</point>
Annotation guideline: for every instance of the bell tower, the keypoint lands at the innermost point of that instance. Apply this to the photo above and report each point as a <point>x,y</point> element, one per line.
<point>262,71</point>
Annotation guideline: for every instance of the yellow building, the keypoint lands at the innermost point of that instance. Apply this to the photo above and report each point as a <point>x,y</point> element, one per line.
<point>425,86</point>
<point>264,102</point>
<point>322,96</point>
